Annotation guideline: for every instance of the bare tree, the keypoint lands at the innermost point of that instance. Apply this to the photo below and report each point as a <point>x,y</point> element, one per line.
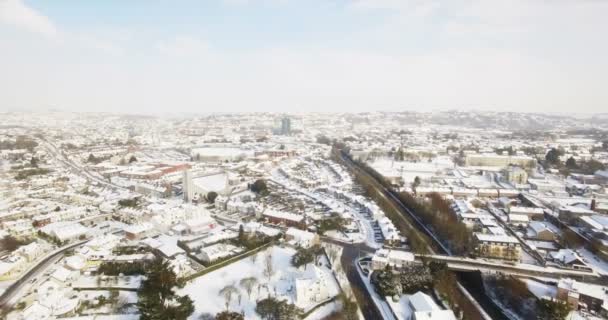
<point>332,254</point>
<point>248,283</point>
<point>228,291</point>
<point>268,268</point>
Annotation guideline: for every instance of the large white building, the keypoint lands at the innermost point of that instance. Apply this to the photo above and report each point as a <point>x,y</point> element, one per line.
<point>313,288</point>
<point>495,160</point>
<point>200,185</point>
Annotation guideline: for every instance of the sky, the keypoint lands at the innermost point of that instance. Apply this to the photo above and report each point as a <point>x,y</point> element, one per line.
<point>200,56</point>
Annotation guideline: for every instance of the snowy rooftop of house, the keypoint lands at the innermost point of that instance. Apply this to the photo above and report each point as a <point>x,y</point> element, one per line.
<point>420,301</point>
<point>66,230</point>
<point>219,151</point>
<point>518,218</point>
<point>169,246</point>
<point>496,231</point>
<point>138,228</point>
<point>435,315</point>
<point>538,226</point>
<point>587,289</point>
<point>61,274</point>
<point>565,256</point>
<point>526,210</point>
<point>300,234</point>
<point>284,215</point>
<point>496,238</point>
<point>214,182</point>
<point>219,250</point>
<point>383,254</point>
<point>602,220</point>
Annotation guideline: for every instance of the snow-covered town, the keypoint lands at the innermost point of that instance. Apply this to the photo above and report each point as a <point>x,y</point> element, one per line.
<point>311,216</point>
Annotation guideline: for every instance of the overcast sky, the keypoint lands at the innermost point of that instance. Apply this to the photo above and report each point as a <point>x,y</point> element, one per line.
<point>304,55</point>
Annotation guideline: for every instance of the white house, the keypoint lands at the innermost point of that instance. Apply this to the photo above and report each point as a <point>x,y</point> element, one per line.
<point>301,238</point>
<point>424,308</point>
<point>393,258</point>
<point>312,289</point>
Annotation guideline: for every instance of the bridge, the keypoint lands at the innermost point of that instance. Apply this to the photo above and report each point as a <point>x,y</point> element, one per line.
<point>516,269</point>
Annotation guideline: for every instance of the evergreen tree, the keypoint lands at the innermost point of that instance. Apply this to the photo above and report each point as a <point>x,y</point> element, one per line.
<point>552,309</point>
<point>157,298</point>
<point>274,309</point>
<point>229,315</point>
<point>552,157</point>
<point>571,163</point>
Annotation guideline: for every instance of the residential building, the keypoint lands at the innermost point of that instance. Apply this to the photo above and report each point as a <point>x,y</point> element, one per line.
<point>497,246</point>
<point>393,258</point>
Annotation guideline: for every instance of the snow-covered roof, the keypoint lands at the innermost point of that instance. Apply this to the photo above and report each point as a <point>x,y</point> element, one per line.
<point>214,182</point>
<point>420,301</point>
<point>284,215</point>
<point>566,256</point>
<point>496,238</point>
<point>300,234</point>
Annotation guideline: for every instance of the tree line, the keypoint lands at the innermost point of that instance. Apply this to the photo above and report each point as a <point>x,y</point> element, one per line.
<point>438,215</point>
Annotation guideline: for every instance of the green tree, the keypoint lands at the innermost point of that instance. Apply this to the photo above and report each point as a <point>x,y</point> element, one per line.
<point>274,309</point>
<point>591,166</point>
<point>132,159</point>
<point>259,186</point>
<point>385,282</point>
<point>92,159</point>
<point>302,257</point>
<point>416,183</point>
<point>34,162</point>
<point>242,238</point>
<point>571,163</point>
<point>552,157</point>
<point>229,315</point>
<point>552,309</point>
<point>400,155</point>
<point>211,196</point>
<point>157,298</point>
<point>10,243</point>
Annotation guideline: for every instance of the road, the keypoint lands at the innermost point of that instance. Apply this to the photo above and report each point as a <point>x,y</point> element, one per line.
<point>15,288</point>
<point>53,150</point>
<point>350,254</point>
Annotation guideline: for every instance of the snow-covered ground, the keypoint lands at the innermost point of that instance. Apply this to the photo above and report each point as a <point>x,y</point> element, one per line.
<point>323,311</point>
<point>204,290</point>
<point>410,170</point>
<point>540,289</point>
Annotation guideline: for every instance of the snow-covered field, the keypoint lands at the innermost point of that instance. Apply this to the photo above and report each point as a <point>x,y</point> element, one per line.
<point>205,291</point>
<point>410,170</point>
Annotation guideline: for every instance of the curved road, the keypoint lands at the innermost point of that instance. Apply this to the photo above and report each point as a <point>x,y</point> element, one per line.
<point>13,289</point>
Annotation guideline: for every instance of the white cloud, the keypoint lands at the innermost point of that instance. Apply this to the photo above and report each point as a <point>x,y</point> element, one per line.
<point>183,46</point>
<point>18,14</point>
